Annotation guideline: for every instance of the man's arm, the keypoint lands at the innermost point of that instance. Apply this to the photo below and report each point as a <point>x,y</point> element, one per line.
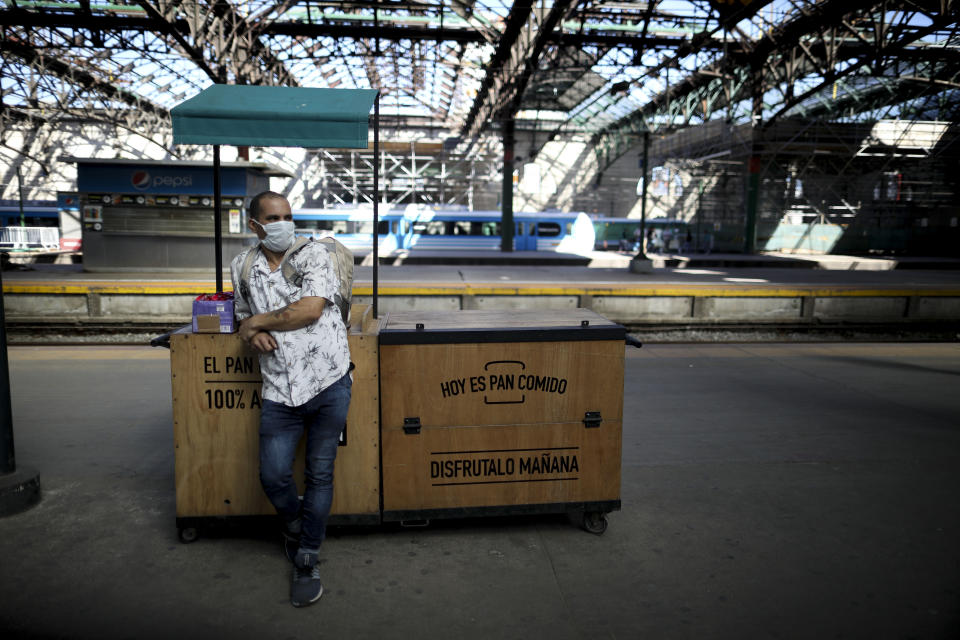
<point>296,315</point>
<point>241,307</point>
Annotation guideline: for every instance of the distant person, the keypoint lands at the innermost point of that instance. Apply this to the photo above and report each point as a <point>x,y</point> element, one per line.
<point>625,242</point>
<point>305,365</point>
<point>667,239</point>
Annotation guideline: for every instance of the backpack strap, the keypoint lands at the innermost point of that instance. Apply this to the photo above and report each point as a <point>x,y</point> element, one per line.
<point>290,273</point>
<point>245,271</point>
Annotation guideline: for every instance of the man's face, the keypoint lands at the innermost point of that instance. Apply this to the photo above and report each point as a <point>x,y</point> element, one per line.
<point>271,210</point>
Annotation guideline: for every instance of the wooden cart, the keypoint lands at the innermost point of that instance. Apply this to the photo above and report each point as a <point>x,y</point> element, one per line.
<point>216,417</point>
<point>482,414</point>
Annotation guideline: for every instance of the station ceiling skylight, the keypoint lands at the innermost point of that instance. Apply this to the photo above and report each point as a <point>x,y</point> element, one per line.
<point>599,70</point>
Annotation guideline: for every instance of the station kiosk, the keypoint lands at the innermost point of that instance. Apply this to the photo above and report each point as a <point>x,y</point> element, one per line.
<point>158,215</point>
<point>453,414</point>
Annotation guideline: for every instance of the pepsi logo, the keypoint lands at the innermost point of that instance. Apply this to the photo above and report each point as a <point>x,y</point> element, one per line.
<point>140,180</point>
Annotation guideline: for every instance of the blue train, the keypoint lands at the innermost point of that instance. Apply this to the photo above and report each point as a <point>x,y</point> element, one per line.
<point>425,228</point>
<point>33,216</point>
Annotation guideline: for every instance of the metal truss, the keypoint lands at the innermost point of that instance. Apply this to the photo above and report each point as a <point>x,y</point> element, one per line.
<point>597,71</point>
<point>415,174</point>
<point>50,90</point>
<point>820,44</point>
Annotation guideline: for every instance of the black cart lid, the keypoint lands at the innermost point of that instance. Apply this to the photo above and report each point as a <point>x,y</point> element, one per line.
<point>538,325</point>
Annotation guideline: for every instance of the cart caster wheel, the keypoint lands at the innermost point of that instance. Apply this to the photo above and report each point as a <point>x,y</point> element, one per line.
<point>188,534</point>
<point>595,522</point>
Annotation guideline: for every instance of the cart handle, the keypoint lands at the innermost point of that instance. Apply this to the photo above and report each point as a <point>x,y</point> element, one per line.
<point>162,340</point>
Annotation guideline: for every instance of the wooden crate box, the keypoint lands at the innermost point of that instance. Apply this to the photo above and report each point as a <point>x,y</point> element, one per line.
<point>511,411</point>
<point>216,413</point>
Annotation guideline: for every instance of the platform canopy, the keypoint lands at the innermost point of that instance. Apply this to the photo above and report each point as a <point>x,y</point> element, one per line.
<point>247,115</point>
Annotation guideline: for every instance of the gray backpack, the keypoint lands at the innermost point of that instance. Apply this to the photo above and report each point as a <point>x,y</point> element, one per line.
<point>340,256</point>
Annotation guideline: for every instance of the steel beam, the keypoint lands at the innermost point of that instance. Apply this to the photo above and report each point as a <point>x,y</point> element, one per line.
<point>837,30</point>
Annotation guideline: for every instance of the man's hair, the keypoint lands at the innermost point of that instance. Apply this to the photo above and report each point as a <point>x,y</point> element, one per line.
<point>254,209</point>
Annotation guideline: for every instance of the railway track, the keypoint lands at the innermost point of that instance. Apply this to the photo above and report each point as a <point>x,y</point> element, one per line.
<point>128,333</point>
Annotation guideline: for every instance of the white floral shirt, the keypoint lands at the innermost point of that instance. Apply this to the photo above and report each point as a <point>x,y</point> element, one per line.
<point>307,360</point>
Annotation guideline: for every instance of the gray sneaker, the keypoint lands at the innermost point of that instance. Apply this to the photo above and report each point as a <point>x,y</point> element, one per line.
<point>305,589</point>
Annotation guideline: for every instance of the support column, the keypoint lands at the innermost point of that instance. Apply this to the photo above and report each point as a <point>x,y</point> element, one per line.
<point>753,165</point>
<point>640,262</point>
<point>506,220</point>
<point>753,193</point>
<point>19,488</point>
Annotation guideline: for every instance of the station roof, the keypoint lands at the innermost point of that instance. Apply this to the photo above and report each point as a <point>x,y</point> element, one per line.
<point>601,71</point>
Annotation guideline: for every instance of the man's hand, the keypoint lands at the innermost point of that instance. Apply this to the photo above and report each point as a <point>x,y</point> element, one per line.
<point>247,330</point>
<point>263,342</point>
<point>256,337</point>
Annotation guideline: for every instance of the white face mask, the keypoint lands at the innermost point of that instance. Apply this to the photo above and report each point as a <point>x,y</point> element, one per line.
<point>279,235</point>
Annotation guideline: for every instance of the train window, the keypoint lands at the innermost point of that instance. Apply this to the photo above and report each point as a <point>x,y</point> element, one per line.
<point>461,228</point>
<point>365,228</point>
<point>569,228</point>
<point>548,229</point>
<point>431,228</point>
<point>519,228</point>
<point>395,226</point>
<point>490,228</point>
<point>533,229</point>
<point>316,225</point>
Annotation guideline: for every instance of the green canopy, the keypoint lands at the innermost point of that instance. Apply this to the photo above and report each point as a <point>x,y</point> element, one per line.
<point>249,115</point>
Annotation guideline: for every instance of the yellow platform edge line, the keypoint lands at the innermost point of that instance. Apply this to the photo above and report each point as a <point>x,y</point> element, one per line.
<point>719,291</point>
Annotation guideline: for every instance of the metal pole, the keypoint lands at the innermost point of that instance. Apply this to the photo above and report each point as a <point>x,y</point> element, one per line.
<point>217,222</point>
<point>23,221</point>
<point>699,214</point>
<point>642,254</point>
<point>506,222</point>
<point>376,198</point>
<point>753,192</point>
<point>8,461</point>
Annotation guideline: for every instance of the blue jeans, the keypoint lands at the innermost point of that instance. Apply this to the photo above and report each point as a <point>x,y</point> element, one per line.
<point>324,418</point>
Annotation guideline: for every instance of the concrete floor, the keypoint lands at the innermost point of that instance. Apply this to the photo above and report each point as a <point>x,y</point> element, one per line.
<point>782,491</point>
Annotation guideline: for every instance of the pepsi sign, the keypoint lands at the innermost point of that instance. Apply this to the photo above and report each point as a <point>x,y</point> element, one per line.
<point>140,180</point>
<point>157,180</point>
<point>143,181</point>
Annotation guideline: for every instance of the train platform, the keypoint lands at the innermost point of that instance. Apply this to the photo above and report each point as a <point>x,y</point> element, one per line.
<point>783,491</point>
<point>596,259</point>
<point>668,300</point>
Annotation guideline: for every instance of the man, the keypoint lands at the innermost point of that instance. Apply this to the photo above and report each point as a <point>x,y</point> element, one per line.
<point>305,363</point>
